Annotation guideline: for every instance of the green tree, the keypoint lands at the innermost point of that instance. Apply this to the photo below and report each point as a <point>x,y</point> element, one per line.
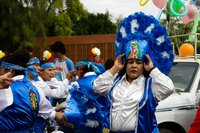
<point>95,24</point>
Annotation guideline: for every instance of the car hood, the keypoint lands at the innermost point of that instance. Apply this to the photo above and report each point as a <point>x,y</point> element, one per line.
<point>177,101</point>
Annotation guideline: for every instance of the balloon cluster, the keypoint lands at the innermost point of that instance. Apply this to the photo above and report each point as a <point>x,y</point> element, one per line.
<point>2,54</point>
<point>48,56</point>
<point>178,8</point>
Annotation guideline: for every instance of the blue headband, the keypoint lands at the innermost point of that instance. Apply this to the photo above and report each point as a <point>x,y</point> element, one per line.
<point>11,66</point>
<point>88,64</point>
<point>47,65</point>
<point>7,65</point>
<point>33,61</point>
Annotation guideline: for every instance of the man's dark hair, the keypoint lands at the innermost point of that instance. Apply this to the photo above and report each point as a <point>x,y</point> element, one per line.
<point>58,46</point>
<point>19,57</point>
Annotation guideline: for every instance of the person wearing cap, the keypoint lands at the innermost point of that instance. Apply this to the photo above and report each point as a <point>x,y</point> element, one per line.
<point>137,81</point>
<point>84,108</point>
<point>26,102</point>
<point>95,54</point>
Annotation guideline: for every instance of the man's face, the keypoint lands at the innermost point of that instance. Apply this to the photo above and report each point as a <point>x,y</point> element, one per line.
<point>134,69</point>
<point>80,71</point>
<point>97,59</point>
<point>47,74</point>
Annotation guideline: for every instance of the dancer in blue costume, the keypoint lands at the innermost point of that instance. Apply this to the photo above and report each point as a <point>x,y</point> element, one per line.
<point>137,81</point>
<point>85,111</point>
<point>26,101</point>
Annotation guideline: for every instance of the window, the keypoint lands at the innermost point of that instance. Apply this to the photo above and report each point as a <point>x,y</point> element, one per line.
<point>182,75</point>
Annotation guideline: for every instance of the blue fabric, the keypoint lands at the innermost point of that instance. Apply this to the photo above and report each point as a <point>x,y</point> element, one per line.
<point>33,71</point>
<point>22,113</point>
<point>95,67</point>
<point>70,64</point>
<point>47,65</point>
<point>10,66</point>
<point>40,125</point>
<point>100,67</point>
<point>33,61</point>
<point>85,106</point>
<point>146,116</point>
<point>146,119</point>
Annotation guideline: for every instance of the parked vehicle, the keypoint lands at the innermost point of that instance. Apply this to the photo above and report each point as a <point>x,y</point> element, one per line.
<point>176,113</point>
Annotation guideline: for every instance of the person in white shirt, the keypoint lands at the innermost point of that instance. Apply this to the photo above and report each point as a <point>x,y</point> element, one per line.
<point>137,81</point>
<point>46,79</point>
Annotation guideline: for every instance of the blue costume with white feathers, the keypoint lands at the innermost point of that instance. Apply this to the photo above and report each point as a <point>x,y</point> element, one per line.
<point>151,36</point>
<point>85,109</point>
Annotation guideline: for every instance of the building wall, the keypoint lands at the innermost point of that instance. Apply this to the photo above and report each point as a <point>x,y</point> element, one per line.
<point>79,47</point>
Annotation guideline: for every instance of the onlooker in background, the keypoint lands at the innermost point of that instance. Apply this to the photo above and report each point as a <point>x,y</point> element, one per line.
<point>63,65</point>
<point>29,49</point>
<point>95,54</point>
<point>96,59</point>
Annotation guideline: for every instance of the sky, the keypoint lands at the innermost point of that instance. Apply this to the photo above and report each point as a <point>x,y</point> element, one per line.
<point>120,7</point>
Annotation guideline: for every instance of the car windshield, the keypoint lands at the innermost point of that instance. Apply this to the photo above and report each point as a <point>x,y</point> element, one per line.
<point>182,75</point>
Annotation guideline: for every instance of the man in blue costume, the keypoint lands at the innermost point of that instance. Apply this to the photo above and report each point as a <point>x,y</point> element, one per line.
<point>137,81</point>
<point>26,101</point>
<point>85,110</point>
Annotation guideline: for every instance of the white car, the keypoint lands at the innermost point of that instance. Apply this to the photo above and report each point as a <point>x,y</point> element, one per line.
<point>176,113</point>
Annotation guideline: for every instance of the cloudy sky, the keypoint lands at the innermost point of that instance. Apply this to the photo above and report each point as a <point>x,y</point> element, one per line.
<point>119,7</point>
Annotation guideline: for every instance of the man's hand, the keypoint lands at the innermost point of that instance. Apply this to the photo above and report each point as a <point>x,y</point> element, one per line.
<point>61,118</point>
<point>70,74</point>
<point>60,108</point>
<point>5,80</point>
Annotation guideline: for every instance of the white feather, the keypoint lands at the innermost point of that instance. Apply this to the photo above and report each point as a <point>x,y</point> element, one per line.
<point>117,43</point>
<point>92,110</point>
<point>134,25</point>
<point>149,28</point>
<point>160,40</point>
<point>165,55</point>
<point>92,123</point>
<point>123,31</point>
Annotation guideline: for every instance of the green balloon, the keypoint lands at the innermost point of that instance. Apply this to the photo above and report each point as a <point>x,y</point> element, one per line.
<point>176,7</point>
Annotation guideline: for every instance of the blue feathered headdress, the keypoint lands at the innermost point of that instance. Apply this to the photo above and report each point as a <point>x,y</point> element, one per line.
<point>139,34</point>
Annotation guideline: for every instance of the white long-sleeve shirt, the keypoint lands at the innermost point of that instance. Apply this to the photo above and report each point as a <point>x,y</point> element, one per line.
<point>45,108</point>
<point>126,96</point>
<point>54,88</point>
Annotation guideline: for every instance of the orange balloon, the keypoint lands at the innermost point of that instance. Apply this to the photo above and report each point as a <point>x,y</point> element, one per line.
<point>186,49</point>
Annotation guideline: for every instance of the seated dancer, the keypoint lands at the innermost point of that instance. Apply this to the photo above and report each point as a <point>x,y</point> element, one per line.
<point>85,109</point>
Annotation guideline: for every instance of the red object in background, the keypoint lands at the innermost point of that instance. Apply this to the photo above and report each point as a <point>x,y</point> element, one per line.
<point>195,126</point>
